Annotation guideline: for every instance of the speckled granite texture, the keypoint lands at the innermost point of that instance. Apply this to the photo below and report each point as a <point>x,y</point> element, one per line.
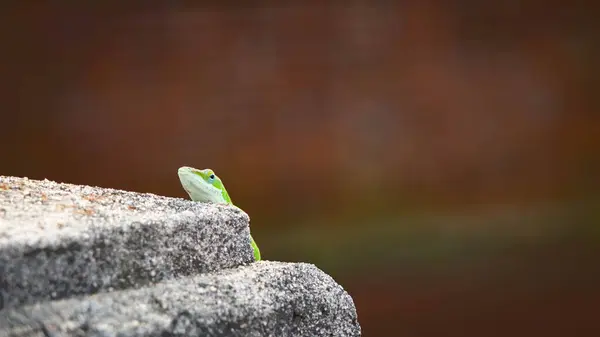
<point>87,261</point>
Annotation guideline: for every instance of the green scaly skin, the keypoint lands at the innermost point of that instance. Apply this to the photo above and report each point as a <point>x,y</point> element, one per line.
<point>205,186</point>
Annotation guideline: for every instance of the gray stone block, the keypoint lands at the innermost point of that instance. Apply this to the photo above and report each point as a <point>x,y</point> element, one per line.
<point>61,240</point>
<point>87,261</point>
<point>261,299</point>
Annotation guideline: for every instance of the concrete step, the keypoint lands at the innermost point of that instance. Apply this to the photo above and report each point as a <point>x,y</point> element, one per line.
<point>60,240</point>
<point>261,299</point>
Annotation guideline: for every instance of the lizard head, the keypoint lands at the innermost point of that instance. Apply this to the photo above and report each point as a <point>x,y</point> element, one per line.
<point>203,185</point>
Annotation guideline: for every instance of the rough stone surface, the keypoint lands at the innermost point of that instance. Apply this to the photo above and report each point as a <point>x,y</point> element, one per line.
<point>59,240</point>
<point>262,299</point>
<point>86,261</point>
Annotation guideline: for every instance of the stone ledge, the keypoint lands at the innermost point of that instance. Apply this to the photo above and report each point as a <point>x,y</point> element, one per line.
<point>261,299</point>
<point>61,240</point>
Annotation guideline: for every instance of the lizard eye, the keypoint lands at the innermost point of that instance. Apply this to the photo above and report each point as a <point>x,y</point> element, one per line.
<point>212,177</point>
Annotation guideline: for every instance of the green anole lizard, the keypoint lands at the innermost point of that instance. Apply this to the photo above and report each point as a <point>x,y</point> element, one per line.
<point>205,186</point>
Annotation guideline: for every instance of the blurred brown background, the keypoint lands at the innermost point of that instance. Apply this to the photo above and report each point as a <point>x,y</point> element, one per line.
<point>439,159</point>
